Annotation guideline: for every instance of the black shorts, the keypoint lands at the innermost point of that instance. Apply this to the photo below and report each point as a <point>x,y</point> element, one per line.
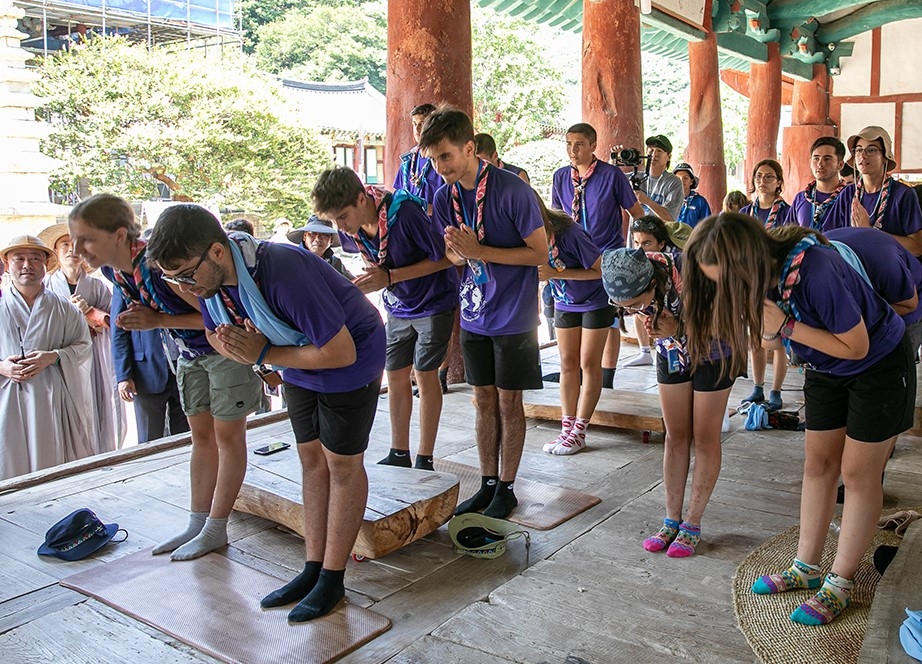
<point>596,319</point>
<point>340,420</point>
<point>873,406</point>
<point>709,377</point>
<point>510,361</point>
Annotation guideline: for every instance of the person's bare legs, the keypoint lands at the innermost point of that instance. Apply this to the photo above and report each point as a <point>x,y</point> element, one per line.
<point>644,358</point>
<point>758,361</point>
<point>400,405</point>
<point>592,346</point>
<point>430,410</point>
<point>610,356</point>
<point>709,408</point>
<point>512,440</point>
<point>487,429</point>
<point>348,491</point>
<point>817,497</point>
<point>676,402</point>
<point>569,340</point>
<point>779,371</point>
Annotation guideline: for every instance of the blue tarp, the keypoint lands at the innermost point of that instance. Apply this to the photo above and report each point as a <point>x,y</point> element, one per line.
<point>214,13</point>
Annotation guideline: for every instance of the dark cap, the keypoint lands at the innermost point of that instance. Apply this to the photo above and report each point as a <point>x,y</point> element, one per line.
<point>661,142</point>
<point>77,535</point>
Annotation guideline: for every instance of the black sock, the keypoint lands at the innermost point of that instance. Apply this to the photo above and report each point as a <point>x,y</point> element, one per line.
<point>396,458</point>
<point>443,380</point>
<point>322,599</point>
<point>423,462</point>
<point>296,589</point>
<point>504,501</point>
<point>608,378</point>
<point>480,499</point>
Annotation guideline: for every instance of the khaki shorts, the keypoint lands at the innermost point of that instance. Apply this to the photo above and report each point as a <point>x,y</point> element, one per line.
<point>212,383</point>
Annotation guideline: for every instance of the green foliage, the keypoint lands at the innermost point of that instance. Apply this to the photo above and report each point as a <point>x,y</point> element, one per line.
<point>666,86</point>
<point>515,86</point>
<point>327,43</point>
<point>212,128</point>
<point>540,158</point>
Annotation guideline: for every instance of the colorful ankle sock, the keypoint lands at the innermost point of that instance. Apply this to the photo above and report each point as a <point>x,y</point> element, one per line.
<point>574,441</point>
<point>482,498</point>
<point>423,462</point>
<point>824,606</point>
<point>566,423</point>
<point>798,576</point>
<point>504,501</point>
<point>323,597</point>
<point>663,537</point>
<point>296,589</point>
<point>757,395</point>
<point>395,457</point>
<point>685,542</point>
<point>608,378</point>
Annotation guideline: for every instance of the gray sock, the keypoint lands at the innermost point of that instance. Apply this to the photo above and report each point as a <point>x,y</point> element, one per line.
<point>213,536</point>
<point>196,523</point>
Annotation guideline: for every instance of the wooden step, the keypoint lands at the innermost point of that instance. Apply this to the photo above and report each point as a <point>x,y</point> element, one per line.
<point>403,505</point>
<point>622,409</point>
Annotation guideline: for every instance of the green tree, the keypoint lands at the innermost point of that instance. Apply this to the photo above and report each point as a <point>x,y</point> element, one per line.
<point>516,88</point>
<point>214,130</point>
<point>327,43</point>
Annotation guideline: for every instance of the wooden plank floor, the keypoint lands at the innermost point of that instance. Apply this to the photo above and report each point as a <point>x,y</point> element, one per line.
<point>591,593</point>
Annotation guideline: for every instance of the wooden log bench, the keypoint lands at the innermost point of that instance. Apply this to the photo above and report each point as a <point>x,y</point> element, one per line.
<point>403,505</point>
<point>898,589</point>
<point>622,409</point>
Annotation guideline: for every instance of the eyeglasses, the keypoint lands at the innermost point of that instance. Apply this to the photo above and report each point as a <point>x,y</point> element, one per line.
<point>189,279</point>
<point>646,309</point>
<point>759,177</point>
<point>870,151</point>
<point>643,226</point>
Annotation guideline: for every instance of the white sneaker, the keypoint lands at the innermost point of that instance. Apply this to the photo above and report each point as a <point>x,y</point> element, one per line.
<point>642,359</point>
<point>725,425</point>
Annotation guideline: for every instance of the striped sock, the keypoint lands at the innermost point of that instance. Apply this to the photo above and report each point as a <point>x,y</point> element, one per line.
<point>829,602</point>
<point>662,537</point>
<point>798,576</point>
<point>685,542</point>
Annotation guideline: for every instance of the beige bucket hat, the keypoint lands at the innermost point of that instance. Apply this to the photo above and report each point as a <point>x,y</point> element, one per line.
<point>870,134</point>
<point>30,242</point>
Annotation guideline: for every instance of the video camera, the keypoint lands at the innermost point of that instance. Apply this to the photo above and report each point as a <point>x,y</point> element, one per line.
<point>633,158</point>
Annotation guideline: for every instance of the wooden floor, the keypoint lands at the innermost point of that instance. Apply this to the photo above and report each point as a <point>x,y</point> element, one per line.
<point>591,593</point>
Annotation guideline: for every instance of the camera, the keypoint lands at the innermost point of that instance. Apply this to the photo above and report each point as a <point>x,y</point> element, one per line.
<point>634,159</point>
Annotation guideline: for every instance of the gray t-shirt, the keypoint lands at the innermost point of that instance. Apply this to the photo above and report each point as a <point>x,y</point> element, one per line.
<point>666,190</point>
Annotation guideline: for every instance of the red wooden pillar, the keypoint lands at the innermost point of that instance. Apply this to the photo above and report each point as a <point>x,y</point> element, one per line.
<point>428,61</point>
<point>705,123</point>
<point>612,88</point>
<point>809,121</point>
<point>764,111</point>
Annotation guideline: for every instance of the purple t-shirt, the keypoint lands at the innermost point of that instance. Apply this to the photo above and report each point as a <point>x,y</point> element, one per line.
<point>577,250</point>
<point>508,302</point>
<point>305,292</point>
<point>607,192</point>
<point>832,296</point>
<point>895,273</point>
<point>191,343</point>
<point>418,176</point>
<point>414,237</point>
<point>902,216</point>
<point>762,213</point>
<point>801,212</point>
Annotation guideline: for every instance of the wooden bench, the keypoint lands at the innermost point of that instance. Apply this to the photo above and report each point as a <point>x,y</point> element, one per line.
<point>898,589</point>
<point>403,504</point>
<point>622,409</point>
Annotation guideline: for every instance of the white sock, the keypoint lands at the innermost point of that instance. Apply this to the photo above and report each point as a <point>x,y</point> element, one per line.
<point>196,523</point>
<point>575,440</point>
<point>213,536</point>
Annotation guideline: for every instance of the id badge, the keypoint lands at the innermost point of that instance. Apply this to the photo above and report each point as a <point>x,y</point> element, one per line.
<point>479,271</point>
<point>672,359</point>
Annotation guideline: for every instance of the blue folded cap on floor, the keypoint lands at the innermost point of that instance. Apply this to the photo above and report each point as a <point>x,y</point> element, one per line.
<point>77,535</point>
<point>911,634</point>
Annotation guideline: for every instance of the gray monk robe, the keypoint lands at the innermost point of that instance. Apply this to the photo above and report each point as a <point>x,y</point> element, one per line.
<point>48,419</point>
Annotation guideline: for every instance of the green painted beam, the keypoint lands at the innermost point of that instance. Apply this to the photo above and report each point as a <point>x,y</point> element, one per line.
<point>742,46</point>
<point>796,69</point>
<point>793,12</point>
<point>670,24</point>
<point>869,17</point>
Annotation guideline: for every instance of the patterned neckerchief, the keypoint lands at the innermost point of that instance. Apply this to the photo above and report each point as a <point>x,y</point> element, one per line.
<point>553,254</point>
<point>578,209</point>
<point>819,209</point>
<point>790,275</point>
<point>877,214</point>
<point>476,224</point>
<point>382,202</point>
<point>411,171</point>
<point>772,213</point>
<point>139,289</point>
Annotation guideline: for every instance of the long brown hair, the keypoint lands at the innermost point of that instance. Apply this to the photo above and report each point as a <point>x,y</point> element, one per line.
<point>748,261</point>
<point>555,221</point>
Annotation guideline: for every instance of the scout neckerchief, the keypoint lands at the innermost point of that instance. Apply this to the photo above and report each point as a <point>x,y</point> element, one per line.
<point>578,209</point>
<point>140,289</point>
<point>790,275</point>
<point>386,205</point>
<point>558,286</point>
<point>772,213</point>
<point>672,304</point>
<point>883,197</point>
<point>820,209</point>
<point>411,172</point>
<point>475,223</point>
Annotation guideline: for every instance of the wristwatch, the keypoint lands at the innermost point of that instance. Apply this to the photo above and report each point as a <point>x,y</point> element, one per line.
<point>787,329</point>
